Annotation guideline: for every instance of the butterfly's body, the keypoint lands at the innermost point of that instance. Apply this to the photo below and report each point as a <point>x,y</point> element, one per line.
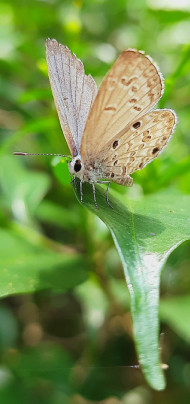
<point>93,172</point>
<point>113,132</point>
<point>86,173</point>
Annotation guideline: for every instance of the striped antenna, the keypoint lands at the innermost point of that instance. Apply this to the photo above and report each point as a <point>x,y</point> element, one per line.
<point>40,154</point>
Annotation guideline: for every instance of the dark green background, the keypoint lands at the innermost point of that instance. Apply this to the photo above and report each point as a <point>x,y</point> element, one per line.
<point>75,347</point>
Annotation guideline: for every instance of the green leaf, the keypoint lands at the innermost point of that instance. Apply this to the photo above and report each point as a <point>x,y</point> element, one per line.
<point>145,232</point>
<point>52,213</point>
<point>22,190</point>
<point>91,292</point>
<point>37,125</point>
<point>35,94</point>
<point>60,169</point>
<point>26,266</point>
<point>175,312</point>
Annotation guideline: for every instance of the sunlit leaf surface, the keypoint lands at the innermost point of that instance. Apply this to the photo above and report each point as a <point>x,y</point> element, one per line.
<point>145,232</point>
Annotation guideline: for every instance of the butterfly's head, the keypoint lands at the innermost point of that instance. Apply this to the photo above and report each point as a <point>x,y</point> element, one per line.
<point>76,166</point>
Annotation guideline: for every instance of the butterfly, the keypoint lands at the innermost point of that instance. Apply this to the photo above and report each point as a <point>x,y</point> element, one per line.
<point>111,132</point>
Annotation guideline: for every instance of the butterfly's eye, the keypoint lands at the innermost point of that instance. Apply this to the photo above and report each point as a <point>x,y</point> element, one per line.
<point>77,166</point>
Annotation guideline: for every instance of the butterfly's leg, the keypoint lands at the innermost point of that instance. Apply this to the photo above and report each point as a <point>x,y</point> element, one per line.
<point>107,191</point>
<point>73,181</point>
<point>94,193</point>
<point>81,193</point>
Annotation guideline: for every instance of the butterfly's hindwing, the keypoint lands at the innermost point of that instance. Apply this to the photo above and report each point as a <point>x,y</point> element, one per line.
<point>141,143</point>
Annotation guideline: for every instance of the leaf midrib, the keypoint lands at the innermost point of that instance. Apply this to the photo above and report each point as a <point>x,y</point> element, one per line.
<point>140,269</point>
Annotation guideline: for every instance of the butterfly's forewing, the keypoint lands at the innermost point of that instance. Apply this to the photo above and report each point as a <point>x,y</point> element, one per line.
<point>130,89</point>
<point>73,91</point>
<point>141,143</point>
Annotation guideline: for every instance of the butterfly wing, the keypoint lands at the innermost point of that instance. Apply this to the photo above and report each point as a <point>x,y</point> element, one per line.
<point>130,89</point>
<point>73,91</point>
<point>140,144</point>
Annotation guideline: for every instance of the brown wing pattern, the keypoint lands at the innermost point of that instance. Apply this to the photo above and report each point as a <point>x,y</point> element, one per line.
<point>73,92</point>
<point>141,143</point>
<point>131,88</point>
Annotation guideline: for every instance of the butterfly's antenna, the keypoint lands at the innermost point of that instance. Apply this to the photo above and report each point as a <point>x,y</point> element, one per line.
<point>40,154</point>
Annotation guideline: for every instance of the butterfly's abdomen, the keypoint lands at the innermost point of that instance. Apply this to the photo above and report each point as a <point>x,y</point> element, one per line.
<point>117,173</point>
<point>125,180</point>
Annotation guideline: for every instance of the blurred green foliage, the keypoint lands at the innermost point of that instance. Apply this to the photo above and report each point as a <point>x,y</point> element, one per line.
<point>75,347</point>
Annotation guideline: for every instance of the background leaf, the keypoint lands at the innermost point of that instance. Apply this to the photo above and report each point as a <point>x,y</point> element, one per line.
<point>54,346</point>
<point>26,267</point>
